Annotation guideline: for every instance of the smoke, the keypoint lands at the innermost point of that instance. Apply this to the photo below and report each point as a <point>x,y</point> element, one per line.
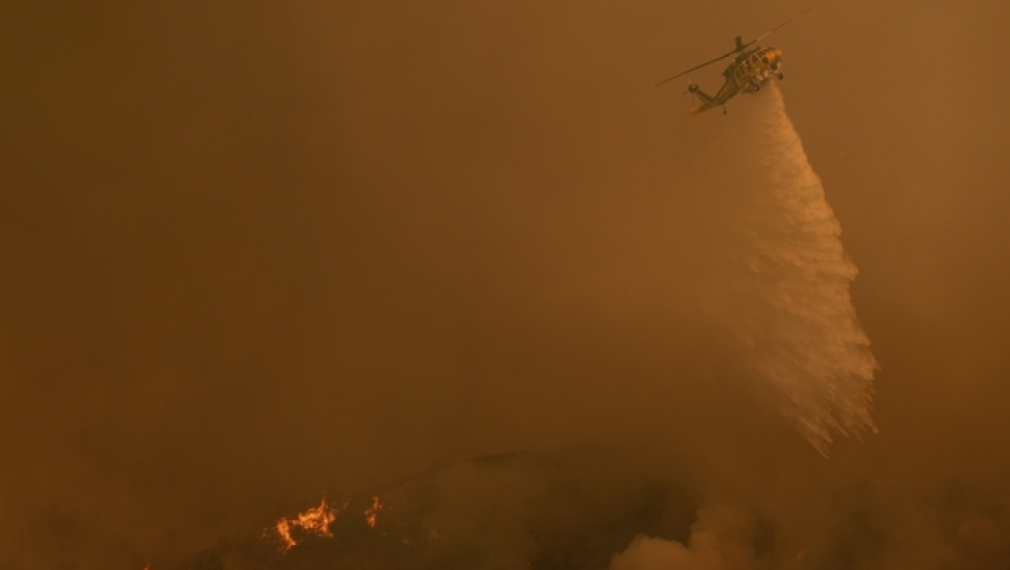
<point>258,253</point>
<point>791,307</point>
<point>953,524</point>
<point>722,538</point>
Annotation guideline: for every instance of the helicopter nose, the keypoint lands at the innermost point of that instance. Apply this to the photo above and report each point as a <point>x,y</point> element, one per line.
<point>774,56</point>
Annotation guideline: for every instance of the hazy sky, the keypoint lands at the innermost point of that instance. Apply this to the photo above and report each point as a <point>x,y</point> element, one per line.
<point>253,252</point>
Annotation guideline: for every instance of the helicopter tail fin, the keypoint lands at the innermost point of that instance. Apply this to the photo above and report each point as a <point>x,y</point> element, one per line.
<point>705,97</point>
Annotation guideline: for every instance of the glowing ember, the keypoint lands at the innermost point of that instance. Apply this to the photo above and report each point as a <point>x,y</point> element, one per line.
<point>372,512</point>
<point>314,521</point>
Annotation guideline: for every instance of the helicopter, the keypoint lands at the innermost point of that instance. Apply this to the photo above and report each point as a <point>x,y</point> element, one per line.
<point>747,73</point>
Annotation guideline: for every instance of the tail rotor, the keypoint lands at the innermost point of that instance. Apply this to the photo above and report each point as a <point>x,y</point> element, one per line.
<point>692,88</point>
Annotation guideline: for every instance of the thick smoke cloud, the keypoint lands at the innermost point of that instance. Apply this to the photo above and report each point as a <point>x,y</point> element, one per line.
<point>254,254</point>
<point>723,537</point>
<point>953,525</point>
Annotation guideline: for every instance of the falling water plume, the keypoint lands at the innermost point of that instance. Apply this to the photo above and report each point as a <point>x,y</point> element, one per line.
<point>795,314</point>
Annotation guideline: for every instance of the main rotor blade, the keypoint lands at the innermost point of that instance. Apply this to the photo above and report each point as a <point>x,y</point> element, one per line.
<point>710,62</point>
<point>784,24</point>
<point>740,46</point>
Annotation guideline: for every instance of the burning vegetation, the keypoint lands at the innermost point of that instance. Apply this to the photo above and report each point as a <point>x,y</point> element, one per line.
<point>314,521</point>
<point>372,512</point>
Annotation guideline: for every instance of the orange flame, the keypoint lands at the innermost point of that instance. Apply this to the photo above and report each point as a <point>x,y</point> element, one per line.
<point>314,521</point>
<point>372,512</point>
<point>285,533</point>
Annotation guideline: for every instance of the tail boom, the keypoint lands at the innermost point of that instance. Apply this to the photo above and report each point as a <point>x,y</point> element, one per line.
<point>707,100</point>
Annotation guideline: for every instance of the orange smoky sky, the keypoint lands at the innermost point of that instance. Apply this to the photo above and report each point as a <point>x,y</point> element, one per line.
<point>252,253</point>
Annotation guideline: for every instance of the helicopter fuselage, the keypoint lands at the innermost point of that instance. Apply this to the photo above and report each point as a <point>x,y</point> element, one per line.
<point>746,74</point>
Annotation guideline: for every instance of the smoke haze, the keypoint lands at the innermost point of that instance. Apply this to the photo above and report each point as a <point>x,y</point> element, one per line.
<point>253,254</point>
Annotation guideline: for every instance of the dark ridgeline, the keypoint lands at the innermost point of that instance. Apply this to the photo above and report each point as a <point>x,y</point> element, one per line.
<point>544,511</point>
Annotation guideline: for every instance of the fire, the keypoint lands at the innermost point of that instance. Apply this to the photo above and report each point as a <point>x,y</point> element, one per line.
<point>285,532</point>
<point>317,521</point>
<point>372,512</point>
<point>314,521</point>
